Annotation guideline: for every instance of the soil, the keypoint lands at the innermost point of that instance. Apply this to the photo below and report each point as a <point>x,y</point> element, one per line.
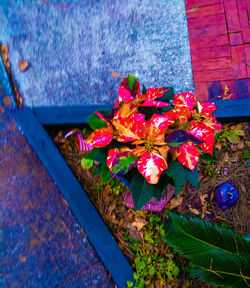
<point>232,166</point>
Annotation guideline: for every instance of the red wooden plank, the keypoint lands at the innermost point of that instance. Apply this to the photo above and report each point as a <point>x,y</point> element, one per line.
<point>212,30</point>
<point>201,91</point>
<point>239,62</point>
<point>231,86</point>
<point>205,11</point>
<point>197,3</point>
<point>242,9</point>
<point>211,41</point>
<point>247,54</point>
<point>232,16</point>
<point>212,64</point>
<point>201,22</point>
<point>212,52</point>
<point>246,35</point>
<point>213,75</point>
<point>235,38</point>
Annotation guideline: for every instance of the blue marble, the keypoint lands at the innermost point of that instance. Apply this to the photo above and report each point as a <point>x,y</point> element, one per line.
<point>73,47</point>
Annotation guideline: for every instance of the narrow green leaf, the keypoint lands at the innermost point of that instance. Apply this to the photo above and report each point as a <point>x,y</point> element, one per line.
<point>105,174</point>
<point>144,89</point>
<point>192,177</point>
<point>209,247</point>
<point>87,163</point>
<point>131,80</point>
<point>177,171</point>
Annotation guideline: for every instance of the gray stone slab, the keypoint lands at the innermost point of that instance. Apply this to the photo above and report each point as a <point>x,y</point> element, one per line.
<point>74,46</point>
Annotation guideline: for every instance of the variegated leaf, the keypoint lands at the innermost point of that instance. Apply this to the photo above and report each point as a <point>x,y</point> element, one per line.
<point>100,137</point>
<point>153,103</point>
<point>184,99</point>
<point>188,155</point>
<point>206,107</point>
<point>211,122</point>
<point>131,128</point>
<point>182,114</point>
<point>124,95</point>
<point>151,165</point>
<point>205,134</point>
<point>112,153</point>
<point>160,124</point>
<point>154,93</point>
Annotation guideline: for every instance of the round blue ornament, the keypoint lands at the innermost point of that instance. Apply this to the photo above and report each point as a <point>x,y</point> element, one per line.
<point>226,195</point>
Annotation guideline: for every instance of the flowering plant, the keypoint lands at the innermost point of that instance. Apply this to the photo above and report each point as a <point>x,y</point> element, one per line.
<point>150,139</point>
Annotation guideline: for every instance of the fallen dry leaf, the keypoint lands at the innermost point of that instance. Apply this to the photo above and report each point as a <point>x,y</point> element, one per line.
<point>139,222</point>
<point>203,211</point>
<point>224,158</point>
<point>23,65</point>
<point>202,198</point>
<point>194,211</point>
<point>174,202</point>
<point>115,75</point>
<point>218,146</point>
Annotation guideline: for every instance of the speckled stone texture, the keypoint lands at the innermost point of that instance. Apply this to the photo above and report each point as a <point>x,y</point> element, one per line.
<point>73,47</point>
<point>41,243</point>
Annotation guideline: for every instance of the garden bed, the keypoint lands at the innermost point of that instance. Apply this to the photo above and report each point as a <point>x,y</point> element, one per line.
<point>138,233</point>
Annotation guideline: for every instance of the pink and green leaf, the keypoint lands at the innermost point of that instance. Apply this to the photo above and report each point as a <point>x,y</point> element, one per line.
<point>153,93</point>
<point>151,165</point>
<point>124,95</point>
<point>112,153</point>
<point>188,155</point>
<point>154,103</point>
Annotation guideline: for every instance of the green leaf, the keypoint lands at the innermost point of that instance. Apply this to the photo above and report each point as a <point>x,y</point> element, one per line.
<point>192,177</point>
<point>220,256</point>
<point>142,191</point>
<point>105,174</point>
<point>130,284</point>
<point>131,81</point>
<point>176,271</point>
<point>166,108</point>
<point>95,122</point>
<point>177,171</point>
<point>152,271</point>
<point>97,170</point>
<point>124,164</point>
<point>144,89</point>
<point>101,156</point>
<point>233,138</point>
<point>87,163</point>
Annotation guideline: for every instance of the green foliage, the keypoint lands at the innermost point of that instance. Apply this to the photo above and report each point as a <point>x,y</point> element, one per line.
<point>245,154</point>
<point>179,173</point>
<point>232,136</point>
<point>210,169</point>
<point>105,174</point>
<point>220,256</point>
<point>150,263</point>
<point>87,163</point>
<point>124,164</point>
<point>95,122</point>
<point>131,81</point>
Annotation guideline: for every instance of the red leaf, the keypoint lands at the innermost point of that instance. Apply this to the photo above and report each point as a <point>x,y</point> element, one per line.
<point>153,93</point>
<point>206,107</point>
<point>205,134</point>
<point>211,122</point>
<point>101,137</point>
<point>131,128</point>
<point>153,103</point>
<point>160,124</point>
<point>23,65</point>
<point>111,157</point>
<point>123,95</point>
<point>188,155</point>
<point>179,113</point>
<point>184,99</point>
<point>151,165</point>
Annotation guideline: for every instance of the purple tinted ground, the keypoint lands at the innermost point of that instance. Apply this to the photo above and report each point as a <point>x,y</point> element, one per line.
<point>41,243</point>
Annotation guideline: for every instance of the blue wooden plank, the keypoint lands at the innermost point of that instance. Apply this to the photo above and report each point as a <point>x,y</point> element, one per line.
<point>78,114</point>
<point>232,108</point>
<point>59,115</point>
<point>77,198</point>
